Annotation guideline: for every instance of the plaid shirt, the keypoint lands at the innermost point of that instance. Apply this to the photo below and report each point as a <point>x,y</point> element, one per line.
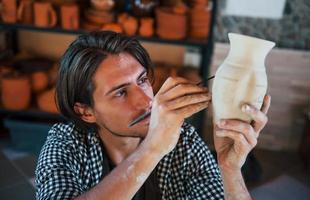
<point>71,162</point>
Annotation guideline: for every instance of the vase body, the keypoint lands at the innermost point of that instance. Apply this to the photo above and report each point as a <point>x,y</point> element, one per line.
<point>241,78</point>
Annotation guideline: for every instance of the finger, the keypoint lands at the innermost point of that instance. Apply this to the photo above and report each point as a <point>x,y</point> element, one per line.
<point>187,100</point>
<point>266,104</point>
<point>259,118</point>
<point>189,110</point>
<point>240,141</point>
<point>241,127</point>
<point>183,89</point>
<point>171,83</point>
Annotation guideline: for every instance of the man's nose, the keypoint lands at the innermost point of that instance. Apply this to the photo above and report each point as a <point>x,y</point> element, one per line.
<point>141,100</point>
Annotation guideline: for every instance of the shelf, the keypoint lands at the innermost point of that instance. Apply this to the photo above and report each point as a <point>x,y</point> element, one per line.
<point>185,42</point>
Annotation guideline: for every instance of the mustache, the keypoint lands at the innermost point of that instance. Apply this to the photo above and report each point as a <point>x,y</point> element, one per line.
<point>140,118</point>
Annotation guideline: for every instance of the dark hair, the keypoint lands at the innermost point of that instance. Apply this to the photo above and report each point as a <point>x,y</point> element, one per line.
<point>80,62</point>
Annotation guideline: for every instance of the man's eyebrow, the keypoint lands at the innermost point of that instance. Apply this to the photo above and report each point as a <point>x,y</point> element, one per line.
<point>125,84</point>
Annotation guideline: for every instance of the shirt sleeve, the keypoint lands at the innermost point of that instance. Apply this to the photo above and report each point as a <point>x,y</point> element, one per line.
<point>204,179</point>
<point>56,172</point>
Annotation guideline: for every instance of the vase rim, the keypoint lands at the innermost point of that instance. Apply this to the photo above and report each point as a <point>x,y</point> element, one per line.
<point>247,37</point>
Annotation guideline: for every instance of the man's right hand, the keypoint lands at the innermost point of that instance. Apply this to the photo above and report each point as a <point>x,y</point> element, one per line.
<point>176,100</point>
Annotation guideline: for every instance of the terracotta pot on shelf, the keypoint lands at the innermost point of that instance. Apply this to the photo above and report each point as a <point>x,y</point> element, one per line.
<point>199,18</point>
<point>130,25</point>
<point>44,14</point>
<point>25,12</point>
<point>69,16</point>
<point>46,101</point>
<point>8,11</point>
<point>16,92</point>
<point>169,24</point>
<point>146,28</point>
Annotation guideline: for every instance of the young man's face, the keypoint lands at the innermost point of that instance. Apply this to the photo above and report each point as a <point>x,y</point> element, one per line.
<point>122,93</point>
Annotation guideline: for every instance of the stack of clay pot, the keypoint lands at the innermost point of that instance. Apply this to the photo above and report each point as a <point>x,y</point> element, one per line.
<point>171,22</point>
<point>99,14</point>
<point>199,19</point>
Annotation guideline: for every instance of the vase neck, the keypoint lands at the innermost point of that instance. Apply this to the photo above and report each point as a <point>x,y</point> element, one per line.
<point>248,51</point>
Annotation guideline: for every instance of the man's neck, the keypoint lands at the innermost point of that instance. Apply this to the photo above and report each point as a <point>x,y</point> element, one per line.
<point>118,148</point>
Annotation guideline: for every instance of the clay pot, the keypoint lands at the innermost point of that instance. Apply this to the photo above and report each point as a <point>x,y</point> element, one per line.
<point>170,25</point>
<point>39,81</point>
<point>199,22</point>
<point>8,11</point>
<point>25,12</point>
<point>105,5</point>
<point>113,27</point>
<point>44,14</point>
<point>130,25</point>
<point>46,101</point>
<point>69,16</point>
<point>16,92</point>
<point>146,27</point>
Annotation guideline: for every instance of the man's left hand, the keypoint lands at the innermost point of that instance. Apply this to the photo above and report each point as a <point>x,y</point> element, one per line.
<point>234,139</point>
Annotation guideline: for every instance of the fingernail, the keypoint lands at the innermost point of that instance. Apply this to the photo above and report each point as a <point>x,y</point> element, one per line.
<point>246,108</point>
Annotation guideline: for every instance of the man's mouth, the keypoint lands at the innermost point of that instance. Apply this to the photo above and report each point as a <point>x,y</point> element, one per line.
<point>140,118</point>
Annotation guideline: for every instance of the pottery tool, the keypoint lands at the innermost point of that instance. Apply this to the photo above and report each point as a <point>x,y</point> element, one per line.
<point>147,114</point>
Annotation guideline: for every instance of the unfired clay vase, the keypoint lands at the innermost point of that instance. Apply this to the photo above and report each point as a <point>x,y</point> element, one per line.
<point>241,78</point>
<point>44,14</point>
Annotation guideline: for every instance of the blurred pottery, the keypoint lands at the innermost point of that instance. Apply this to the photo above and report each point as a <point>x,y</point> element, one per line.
<point>8,11</point>
<point>146,28</point>
<point>69,16</point>
<point>16,92</point>
<point>25,11</point>
<point>46,101</point>
<point>130,25</point>
<point>39,81</point>
<point>169,24</point>
<point>44,14</point>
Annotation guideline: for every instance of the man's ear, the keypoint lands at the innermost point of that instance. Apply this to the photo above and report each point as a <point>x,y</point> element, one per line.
<point>86,113</point>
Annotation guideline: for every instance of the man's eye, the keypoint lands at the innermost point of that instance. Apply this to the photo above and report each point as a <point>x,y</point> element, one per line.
<point>143,80</point>
<point>121,93</point>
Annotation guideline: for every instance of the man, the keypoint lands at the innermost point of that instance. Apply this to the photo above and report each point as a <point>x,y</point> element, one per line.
<point>103,86</point>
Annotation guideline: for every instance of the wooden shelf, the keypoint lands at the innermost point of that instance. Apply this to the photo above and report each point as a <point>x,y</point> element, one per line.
<point>183,42</point>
